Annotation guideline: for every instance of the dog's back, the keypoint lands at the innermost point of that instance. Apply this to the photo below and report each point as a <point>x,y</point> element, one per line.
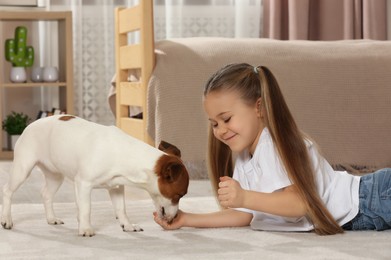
<point>50,139</point>
<point>58,143</point>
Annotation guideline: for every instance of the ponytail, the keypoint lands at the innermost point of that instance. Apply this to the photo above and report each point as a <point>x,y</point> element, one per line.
<point>290,144</point>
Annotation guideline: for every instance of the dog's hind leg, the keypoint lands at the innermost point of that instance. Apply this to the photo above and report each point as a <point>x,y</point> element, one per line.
<point>20,171</point>
<point>117,196</point>
<point>53,183</point>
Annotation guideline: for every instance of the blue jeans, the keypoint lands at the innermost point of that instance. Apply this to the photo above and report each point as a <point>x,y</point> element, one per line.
<point>375,202</point>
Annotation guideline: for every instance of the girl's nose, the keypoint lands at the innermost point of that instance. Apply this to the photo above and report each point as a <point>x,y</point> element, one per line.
<point>220,131</point>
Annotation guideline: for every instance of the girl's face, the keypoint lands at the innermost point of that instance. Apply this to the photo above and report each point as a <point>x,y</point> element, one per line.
<point>234,122</point>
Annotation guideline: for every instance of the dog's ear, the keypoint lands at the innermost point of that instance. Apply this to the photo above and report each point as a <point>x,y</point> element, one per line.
<point>173,178</point>
<point>172,172</point>
<point>169,148</point>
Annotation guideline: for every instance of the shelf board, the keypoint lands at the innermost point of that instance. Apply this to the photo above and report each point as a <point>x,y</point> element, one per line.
<point>34,15</point>
<point>6,155</point>
<point>33,84</point>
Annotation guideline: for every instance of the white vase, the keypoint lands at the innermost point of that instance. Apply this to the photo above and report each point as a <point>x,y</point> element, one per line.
<point>12,141</point>
<point>18,74</point>
<point>50,74</point>
<point>37,74</point>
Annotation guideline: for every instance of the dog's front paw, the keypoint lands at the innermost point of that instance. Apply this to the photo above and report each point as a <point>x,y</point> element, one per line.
<point>6,223</point>
<point>89,232</point>
<point>131,228</point>
<point>55,221</point>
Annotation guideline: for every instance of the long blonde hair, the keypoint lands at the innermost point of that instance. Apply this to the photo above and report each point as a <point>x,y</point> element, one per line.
<point>258,82</point>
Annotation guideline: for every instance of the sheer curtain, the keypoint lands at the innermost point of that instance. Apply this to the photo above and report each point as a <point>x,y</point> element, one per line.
<point>93,38</point>
<point>93,54</point>
<point>219,18</point>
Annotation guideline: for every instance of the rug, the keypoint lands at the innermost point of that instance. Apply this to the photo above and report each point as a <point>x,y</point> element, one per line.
<point>33,238</point>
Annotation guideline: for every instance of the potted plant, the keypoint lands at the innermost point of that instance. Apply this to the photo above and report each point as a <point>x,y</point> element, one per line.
<point>14,124</point>
<point>19,54</point>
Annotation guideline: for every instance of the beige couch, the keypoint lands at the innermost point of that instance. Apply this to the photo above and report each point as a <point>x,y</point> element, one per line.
<point>339,93</point>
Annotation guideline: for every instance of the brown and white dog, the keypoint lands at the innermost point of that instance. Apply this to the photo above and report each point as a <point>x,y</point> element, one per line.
<point>95,156</point>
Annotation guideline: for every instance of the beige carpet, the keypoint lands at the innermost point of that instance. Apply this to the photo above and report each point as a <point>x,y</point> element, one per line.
<point>32,238</point>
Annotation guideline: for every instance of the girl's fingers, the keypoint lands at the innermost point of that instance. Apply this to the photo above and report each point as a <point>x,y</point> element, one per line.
<point>223,198</point>
<point>158,220</point>
<point>223,184</point>
<point>163,223</point>
<point>222,191</point>
<point>225,178</point>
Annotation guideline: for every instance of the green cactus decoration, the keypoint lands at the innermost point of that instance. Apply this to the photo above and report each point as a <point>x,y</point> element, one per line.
<point>16,50</point>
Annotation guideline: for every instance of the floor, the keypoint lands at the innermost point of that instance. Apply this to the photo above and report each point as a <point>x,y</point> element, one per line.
<point>32,238</point>
<point>32,186</point>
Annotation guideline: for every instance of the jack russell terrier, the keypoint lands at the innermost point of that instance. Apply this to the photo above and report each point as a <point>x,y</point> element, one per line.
<point>95,156</point>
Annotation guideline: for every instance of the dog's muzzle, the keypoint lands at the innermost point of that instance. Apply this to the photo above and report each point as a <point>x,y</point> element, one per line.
<point>164,214</point>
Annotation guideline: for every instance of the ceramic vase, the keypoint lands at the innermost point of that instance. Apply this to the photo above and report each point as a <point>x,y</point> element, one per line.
<point>37,74</point>
<point>18,74</point>
<point>50,74</point>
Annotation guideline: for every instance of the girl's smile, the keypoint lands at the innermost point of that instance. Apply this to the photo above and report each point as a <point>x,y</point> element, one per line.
<point>229,138</point>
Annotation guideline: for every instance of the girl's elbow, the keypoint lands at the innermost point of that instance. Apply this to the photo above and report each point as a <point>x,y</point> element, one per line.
<point>300,210</point>
<point>242,219</point>
<point>246,220</point>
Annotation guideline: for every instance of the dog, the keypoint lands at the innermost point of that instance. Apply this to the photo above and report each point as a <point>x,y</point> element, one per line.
<point>95,156</point>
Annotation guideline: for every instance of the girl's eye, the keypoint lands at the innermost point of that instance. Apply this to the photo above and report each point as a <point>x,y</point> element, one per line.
<point>214,124</point>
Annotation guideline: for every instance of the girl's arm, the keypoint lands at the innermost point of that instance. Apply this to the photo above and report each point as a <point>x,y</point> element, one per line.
<point>286,203</point>
<point>223,218</point>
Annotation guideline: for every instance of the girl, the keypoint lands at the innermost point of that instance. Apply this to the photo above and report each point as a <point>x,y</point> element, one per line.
<point>280,182</point>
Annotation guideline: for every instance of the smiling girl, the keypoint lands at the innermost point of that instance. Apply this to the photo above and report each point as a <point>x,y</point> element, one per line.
<point>279,182</point>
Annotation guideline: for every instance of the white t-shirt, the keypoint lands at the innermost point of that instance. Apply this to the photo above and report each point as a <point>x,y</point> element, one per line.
<point>264,172</point>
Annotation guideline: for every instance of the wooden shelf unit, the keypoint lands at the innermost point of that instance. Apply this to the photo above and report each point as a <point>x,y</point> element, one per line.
<point>65,61</point>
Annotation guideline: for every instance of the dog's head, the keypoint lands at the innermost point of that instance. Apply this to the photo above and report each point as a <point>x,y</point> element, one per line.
<point>173,181</point>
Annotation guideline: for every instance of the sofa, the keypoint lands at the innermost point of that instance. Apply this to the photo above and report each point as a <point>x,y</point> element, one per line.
<point>339,92</point>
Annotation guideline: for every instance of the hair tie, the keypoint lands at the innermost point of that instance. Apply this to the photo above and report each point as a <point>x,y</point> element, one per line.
<point>256,70</point>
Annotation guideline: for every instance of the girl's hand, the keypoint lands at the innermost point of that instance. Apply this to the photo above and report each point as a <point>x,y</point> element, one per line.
<point>176,223</point>
<point>230,194</point>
